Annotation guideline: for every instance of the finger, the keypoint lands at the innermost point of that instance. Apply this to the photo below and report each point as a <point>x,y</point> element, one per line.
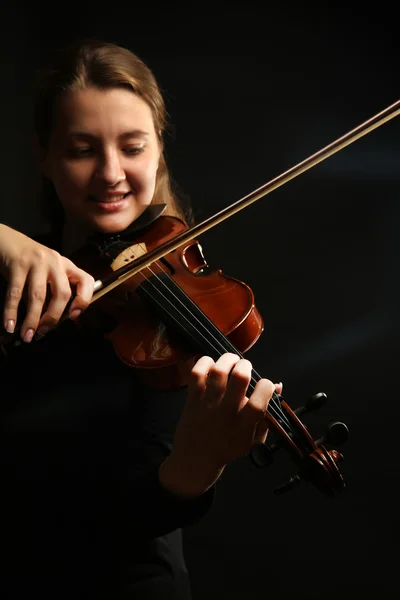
<point>261,431</point>
<point>60,296</point>
<point>13,297</point>
<point>198,378</point>
<point>262,426</point>
<point>218,378</point>
<point>35,299</point>
<point>84,286</point>
<point>237,387</point>
<point>257,404</point>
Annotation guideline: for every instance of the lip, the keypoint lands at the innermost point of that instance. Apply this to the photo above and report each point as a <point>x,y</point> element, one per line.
<point>108,204</point>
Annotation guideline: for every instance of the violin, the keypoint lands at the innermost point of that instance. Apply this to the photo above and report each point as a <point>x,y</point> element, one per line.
<point>162,306</point>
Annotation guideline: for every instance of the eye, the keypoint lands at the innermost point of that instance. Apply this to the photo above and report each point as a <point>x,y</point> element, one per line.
<point>81,151</point>
<point>133,150</point>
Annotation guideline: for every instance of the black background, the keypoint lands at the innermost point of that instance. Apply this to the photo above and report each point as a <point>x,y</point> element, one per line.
<point>252,90</point>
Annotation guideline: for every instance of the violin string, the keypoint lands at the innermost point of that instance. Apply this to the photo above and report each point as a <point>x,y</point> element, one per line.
<point>274,404</point>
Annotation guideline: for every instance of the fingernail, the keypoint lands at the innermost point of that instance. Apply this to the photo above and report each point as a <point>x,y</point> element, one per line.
<point>29,335</point>
<point>10,327</point>
<point>75,314</point>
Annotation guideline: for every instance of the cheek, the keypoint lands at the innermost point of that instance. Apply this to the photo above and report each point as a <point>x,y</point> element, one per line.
<point>143,176</point>
<point>70,177</point>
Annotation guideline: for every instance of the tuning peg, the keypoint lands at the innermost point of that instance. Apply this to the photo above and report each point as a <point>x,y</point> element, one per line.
<point>288,485</point>
<point>313,403</point>
<point>337,433</point>
<point>261,455</point>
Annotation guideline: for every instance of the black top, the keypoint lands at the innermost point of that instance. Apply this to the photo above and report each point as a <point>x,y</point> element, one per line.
<point>83,513</point>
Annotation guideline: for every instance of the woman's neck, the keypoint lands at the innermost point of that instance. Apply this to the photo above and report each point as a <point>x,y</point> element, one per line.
<point>73,237</point>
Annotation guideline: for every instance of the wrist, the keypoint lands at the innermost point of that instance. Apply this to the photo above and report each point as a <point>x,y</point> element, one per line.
<point>185,480</point>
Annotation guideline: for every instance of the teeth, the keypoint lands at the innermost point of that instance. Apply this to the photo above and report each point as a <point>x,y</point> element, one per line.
<point>114,199</point>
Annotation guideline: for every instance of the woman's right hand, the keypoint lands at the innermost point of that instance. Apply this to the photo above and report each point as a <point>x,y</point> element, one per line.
<point>39,275</point>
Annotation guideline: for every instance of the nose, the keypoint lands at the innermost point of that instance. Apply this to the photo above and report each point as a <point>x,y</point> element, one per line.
<point>110,169</point>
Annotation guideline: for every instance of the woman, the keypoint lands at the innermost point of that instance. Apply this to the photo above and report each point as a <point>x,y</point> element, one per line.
<point>99,472</point>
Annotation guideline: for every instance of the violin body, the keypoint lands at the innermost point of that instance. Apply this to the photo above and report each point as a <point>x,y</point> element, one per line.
<point>140,338</point>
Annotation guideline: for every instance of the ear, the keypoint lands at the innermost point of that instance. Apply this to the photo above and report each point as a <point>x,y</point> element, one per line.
<point>41,157</point>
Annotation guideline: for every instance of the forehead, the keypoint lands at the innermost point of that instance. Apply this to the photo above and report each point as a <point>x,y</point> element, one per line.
<point>102,112</point>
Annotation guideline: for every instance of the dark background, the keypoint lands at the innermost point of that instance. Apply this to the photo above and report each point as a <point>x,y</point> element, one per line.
<point>252,90</point>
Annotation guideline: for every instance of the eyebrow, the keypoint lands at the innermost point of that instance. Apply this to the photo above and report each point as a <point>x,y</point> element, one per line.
<point>134,133</point>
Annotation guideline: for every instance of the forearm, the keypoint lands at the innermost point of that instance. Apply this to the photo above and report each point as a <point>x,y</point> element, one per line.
<point>183,479</point>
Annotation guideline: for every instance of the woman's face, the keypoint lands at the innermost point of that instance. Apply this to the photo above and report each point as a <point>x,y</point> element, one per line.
<point>102,158</point>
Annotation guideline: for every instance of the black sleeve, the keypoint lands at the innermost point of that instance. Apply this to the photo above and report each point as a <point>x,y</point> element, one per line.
<point>157,511</point>
<point>152,510</point>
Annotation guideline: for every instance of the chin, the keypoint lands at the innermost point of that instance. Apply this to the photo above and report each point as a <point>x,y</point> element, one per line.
<point>113,223</point>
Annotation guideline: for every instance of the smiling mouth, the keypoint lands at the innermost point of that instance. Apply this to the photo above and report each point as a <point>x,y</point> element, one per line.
<point>109,200</point>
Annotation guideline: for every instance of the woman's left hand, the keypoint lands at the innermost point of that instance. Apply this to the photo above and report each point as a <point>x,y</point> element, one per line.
<point>218,424</point>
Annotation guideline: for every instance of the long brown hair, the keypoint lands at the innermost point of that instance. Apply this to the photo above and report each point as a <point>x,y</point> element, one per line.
<point>103,65</point>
